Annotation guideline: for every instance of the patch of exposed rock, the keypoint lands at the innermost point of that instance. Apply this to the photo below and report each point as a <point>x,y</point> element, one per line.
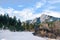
<point>50,30</point>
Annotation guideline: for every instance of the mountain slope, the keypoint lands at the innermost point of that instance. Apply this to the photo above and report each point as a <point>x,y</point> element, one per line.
<point>48,18</point>
<point>44,18</point>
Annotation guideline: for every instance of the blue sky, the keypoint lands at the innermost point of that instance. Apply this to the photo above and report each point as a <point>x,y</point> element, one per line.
<point>30,9</point>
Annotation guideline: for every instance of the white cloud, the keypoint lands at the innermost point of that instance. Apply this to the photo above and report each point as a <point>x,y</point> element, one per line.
<point>51,7</point>
<point>40,4</point>
<point>7,11</point>
<point>20,5</point>
<point>52,13</point>
<point>53,1</point>
<point>2,11</point>
<point>28,13</point>
<point>25,14</point>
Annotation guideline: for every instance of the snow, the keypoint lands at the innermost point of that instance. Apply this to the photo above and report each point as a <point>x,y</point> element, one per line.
<point>7,35</point>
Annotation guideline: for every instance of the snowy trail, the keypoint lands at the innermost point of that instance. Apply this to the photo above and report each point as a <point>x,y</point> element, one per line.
<point>7,35</point>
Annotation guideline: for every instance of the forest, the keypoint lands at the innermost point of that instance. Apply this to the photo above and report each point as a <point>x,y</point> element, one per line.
<point>13,24</point>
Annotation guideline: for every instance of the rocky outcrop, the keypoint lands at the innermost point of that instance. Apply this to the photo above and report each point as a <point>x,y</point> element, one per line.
<point>49,30</point>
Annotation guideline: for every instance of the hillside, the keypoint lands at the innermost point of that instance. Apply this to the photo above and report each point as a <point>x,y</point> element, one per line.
<point>49,27</point>
<point>45,26</point>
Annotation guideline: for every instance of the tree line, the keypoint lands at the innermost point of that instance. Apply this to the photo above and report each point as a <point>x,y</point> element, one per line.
<point>10,23</point>
<point>13,24</point>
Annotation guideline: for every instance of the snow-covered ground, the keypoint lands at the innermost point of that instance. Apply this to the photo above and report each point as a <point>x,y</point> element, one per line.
<point>7,35</point>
